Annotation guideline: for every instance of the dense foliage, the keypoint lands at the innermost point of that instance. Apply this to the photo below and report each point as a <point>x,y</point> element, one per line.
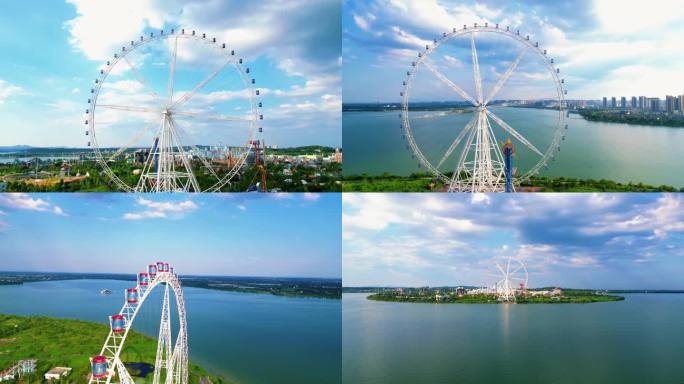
<point>70,343</point>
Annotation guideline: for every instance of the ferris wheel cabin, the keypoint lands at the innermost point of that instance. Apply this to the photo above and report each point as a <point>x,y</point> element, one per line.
<point>152,271</point>
<point>160,267</point>
<point>118,323</point>
<point>98,366</point>
<point>132,295</point>
<point>143,279</point>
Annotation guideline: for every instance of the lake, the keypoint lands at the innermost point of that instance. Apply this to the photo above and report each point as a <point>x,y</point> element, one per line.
<point>639,340</point>
<point>652,155</point>
<point>248,338</point>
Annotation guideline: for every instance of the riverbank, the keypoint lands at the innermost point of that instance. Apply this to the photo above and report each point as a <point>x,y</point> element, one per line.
<point>421,182</point>
<point>631,117</point>
<point>567,298</point>
<point>70,343</point>
<point>277,286</point>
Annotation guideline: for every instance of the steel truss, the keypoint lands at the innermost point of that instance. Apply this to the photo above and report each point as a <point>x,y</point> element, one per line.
<point>171,363</point>
<point>168,165</point>
<point>480,166</point>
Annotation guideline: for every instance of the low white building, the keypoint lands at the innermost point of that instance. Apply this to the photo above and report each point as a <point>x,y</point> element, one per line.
<point>57,373</point>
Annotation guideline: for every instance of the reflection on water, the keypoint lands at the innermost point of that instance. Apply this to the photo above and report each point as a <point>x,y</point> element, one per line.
<point>632,341</point>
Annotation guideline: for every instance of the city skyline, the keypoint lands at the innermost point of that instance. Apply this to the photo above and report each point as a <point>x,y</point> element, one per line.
<point>199,234</point>
<point>596,241</point>
<point>54,52</point>
<point>600,46</point>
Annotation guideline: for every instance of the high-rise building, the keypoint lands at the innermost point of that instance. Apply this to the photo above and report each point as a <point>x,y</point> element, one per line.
<point>613,104</point>
<point>654,103</point>
<point>643,103</point>
<point>678,103</point>
<point>681,103</point>
<point>634,102</point>
<point>605,102</point>
<point>623,102</point>
<point>669,104</point>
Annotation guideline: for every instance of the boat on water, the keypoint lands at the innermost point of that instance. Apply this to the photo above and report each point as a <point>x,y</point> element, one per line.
<point>105,292</point>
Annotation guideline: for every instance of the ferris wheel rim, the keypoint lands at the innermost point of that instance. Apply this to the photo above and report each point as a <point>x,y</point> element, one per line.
<point>236,62</point>
<point>529,46</point>
<point>114,363</point>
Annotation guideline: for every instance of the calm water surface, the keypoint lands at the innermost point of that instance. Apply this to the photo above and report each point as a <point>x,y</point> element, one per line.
<point>639,340</point>
<point>652,155</point>
<point>250,338</point>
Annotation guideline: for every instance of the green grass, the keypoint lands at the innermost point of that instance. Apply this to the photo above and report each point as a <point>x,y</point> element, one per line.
<point>70,343</point>
<point>427,183</point>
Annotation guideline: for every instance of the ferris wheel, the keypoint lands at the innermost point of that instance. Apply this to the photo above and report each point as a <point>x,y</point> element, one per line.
<point>174,140</point>
<point>171,363</point>
<point>512,278</point>
<point>481,165</point>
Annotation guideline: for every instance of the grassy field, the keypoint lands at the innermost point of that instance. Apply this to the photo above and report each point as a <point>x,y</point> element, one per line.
<point>69,343</point>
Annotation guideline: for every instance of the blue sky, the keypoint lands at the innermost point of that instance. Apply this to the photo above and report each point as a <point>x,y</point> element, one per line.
<point>53,52</point>
<point>225,234</point>
<point>609,241</point>
<point>603,47</point>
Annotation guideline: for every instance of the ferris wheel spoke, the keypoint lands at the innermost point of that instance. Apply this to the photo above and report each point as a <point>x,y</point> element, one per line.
<point>495,90</point>
<point>450,83</point>
<point>172,71</point>
<point>200,85</point>
<point>517,269</point>
<point>458,140</point>
<point>464,155</point>
<point>128,108</point>
<point>476,68</point>
<point>133,140</point>
<point>197,150</point>
<point>141,80</point>
<point>213,117</point>
<point>514,133</point>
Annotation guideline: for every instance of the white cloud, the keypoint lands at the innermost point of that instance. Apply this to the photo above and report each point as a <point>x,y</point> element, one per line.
<point>28,202</point>
<point>311,196</point>
<point>161,209</point>
<point>8,90</point>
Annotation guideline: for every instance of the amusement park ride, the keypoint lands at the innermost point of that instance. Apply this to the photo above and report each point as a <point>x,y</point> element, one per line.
<point>171,364</point>
<point>481,165</point>
<point>169,162</point>
<point>512,278</point>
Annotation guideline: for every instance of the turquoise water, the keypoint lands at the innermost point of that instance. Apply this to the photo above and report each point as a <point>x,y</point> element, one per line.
<point>639,340</point>
<point>653,155</point>
<point>250,338</point>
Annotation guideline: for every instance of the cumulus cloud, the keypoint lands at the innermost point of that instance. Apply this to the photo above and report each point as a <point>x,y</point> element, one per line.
<point>152,209</point>
<point>603,47</point>
<point>25,201</point>
<point>299,38</point>
<point>455,239</point>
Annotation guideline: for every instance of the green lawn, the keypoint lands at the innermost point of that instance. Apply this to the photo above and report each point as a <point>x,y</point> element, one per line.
<point>69,343</point>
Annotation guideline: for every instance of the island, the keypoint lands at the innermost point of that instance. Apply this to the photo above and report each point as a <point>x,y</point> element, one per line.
<point>64,346</point>
<point>462,295</point>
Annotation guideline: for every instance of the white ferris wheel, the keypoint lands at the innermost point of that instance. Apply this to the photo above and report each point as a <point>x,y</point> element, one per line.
<point>481,165</point>
<point>175,138</point>
<point>171,363</point>
<point>512,278</point>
